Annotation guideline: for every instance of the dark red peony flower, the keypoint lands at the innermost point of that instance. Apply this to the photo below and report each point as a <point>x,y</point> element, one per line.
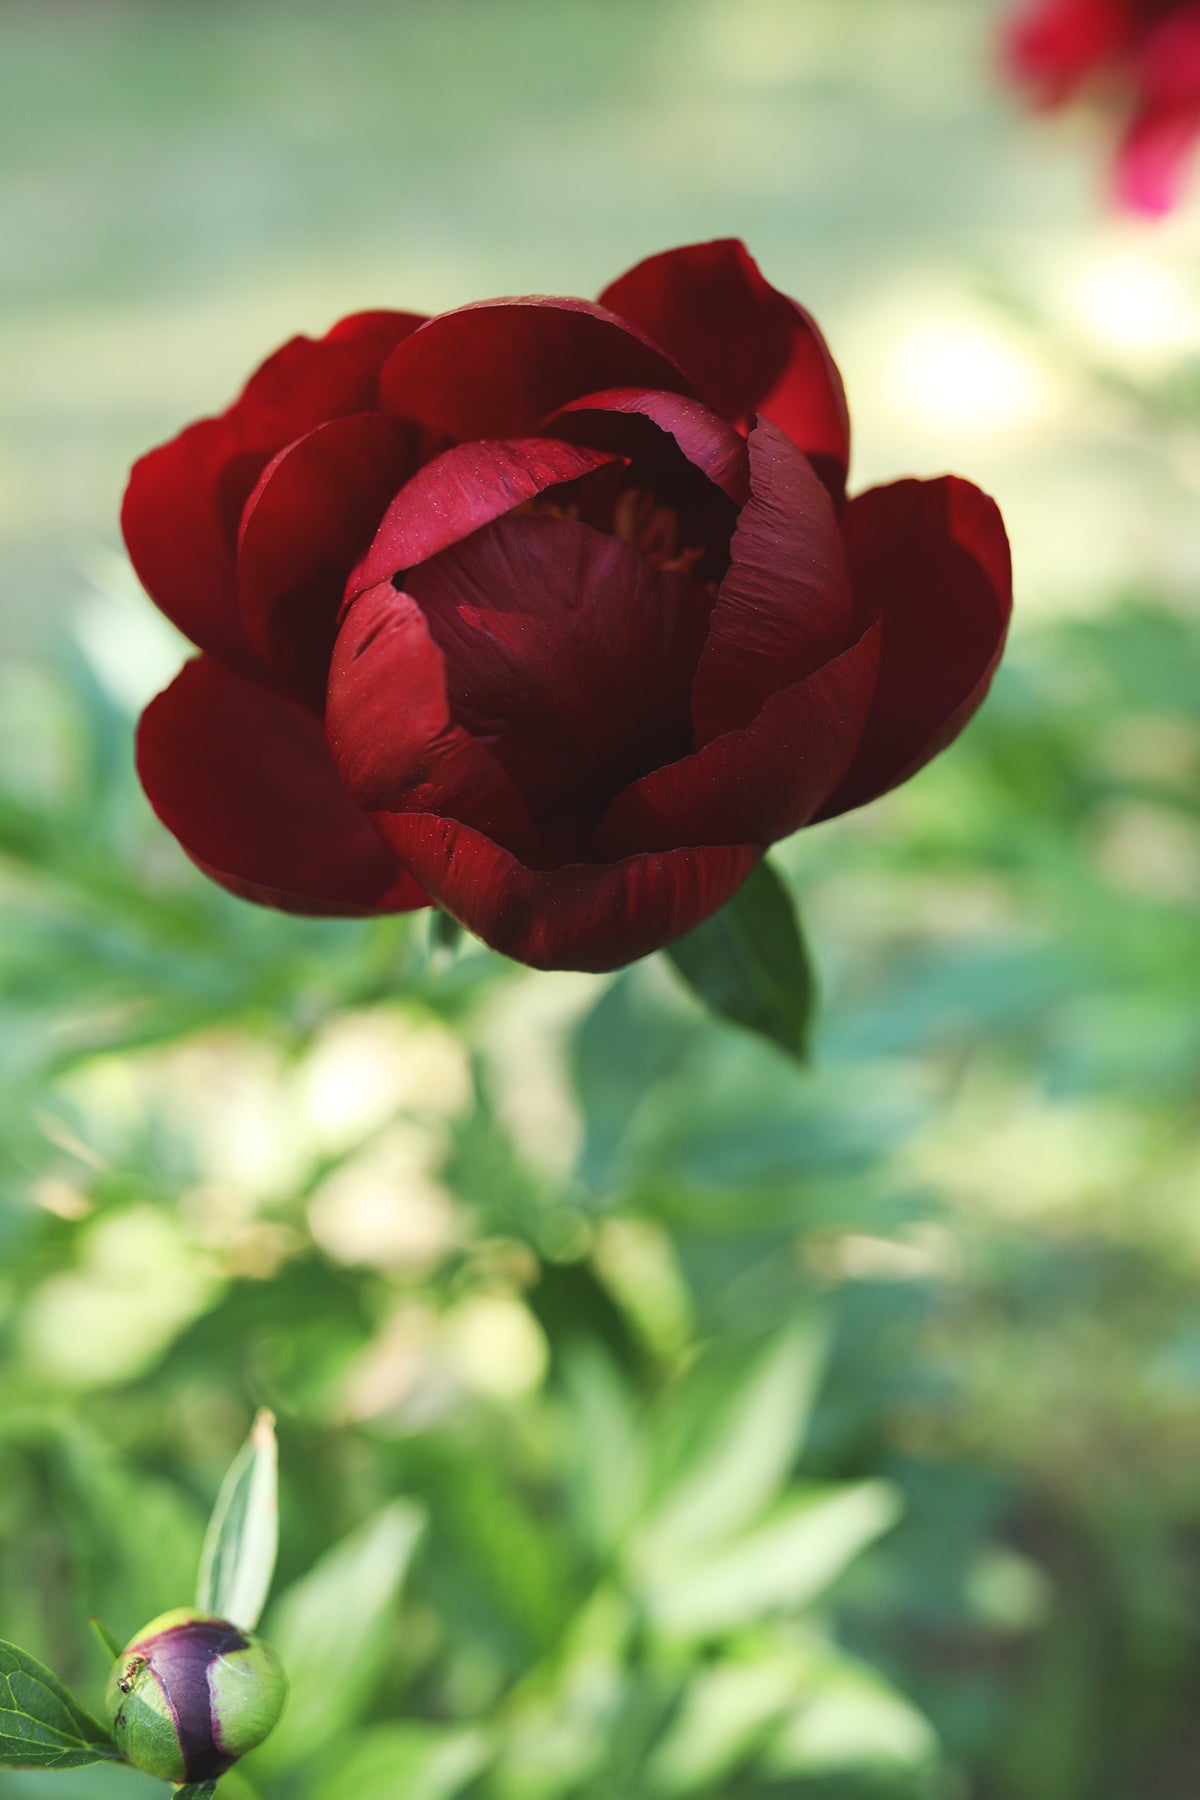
<point>1147,49</point>
<point>552,613</point>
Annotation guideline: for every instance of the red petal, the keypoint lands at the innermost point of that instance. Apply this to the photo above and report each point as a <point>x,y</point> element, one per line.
<point>461,490</point>
<point>1053,45</point>
<point>390,729</point>
<point>581,916</point>
<point>784,609</point>
<point>244,779</point>
<point>707,441</point>
<point>497,369</point>
<point>760,784</point>
<point>1156,149</point>
<point>748,348</point>
<point>184,501</point>
<point>931,559</point>
<point>567,653</point>
<point>314,511</point>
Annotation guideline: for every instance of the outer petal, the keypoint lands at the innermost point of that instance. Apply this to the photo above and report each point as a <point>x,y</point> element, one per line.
<point>748,348</point>
<point>932,559</point>
<point>244,780</point>
<point>393,739</point>
<point>581,916</point>
<point>314,511</point>
<point>784,608</point>
<point>759,784</point>
<point>462,490</point>
<point>496,369</point>
<point>184,501</point>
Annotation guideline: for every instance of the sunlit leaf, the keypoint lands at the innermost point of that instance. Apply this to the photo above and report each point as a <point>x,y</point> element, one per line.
<point>740,1462</point>
<point>42,1726</point>
<point>609,1452</point>
<point>331,1630</point>
<point>416,1761</point>
<point>725,1714</point>
<point>847,1718</point>
<point>749,963</point>
<point>238,1558</point>
<point>779,1566</point>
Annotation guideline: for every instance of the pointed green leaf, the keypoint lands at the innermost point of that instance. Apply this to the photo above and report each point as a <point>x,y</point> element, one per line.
<point>196,1790</point>
<point>238,1559</point>
<point>740,1464</point>
<point>445,933</point>
<point>781,1565</point>
<point>749,963</point>
<point>104,1637</point>
<point>41,1725</point>
<point>332,1630</point>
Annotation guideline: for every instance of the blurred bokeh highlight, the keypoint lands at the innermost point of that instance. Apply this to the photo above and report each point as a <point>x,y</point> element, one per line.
<point>657,1420</point>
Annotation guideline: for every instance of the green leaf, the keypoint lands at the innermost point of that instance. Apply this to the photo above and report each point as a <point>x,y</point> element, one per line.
<point>104,1637</point>
<point>846,1716</point>
<point>238,1558</point>
<point>445,935</point>
<point>749,963</point>
<point>413,1760</point>
<point>196,1790</point>
<point>781,1565</point>
<point>332,1630</point>
<point>41,1725</point>
<point>740,1464</point>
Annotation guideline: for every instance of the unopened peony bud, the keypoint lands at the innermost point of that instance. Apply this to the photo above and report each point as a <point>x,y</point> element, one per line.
<point>190,1694</point>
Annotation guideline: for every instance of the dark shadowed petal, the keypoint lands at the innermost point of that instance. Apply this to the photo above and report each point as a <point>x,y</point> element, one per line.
<point>748,348</point>
<point>567,653</point>
<point>931,559</point>
<point>184,501</point>
<point>315,509</point>
<point>245,781</point>
<point>707,441</point>
<point>761,783</point>
<point>785,607</point>
<point>459,491</point>
<point>390,728</point>
<point>497,369</point>
<point>580,916</point>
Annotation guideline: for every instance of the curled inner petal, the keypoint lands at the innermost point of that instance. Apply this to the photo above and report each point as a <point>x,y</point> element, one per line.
<point>569,656</point>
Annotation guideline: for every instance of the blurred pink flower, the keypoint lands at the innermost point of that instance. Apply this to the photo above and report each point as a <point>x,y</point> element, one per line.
<point>1148,50</point>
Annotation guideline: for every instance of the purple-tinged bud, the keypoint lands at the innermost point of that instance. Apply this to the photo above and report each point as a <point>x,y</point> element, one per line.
<point>190,1694</point>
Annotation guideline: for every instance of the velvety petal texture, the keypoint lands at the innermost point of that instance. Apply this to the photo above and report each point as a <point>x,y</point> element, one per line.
<point>550,612</point>
<point>183,506</point>
<point>244,779</point>
<point>748,348</point>
<point>930,560</point>
<point>592,916</point>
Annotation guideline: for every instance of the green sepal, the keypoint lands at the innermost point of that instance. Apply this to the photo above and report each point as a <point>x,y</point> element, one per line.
<point>240,1545</point>
<point>110,1645</point>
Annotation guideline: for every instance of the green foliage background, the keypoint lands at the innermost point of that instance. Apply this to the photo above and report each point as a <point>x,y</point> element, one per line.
<point>656,1419</point>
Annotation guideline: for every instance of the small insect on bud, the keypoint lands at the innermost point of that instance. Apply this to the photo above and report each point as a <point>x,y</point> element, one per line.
<point>190,1694</point>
